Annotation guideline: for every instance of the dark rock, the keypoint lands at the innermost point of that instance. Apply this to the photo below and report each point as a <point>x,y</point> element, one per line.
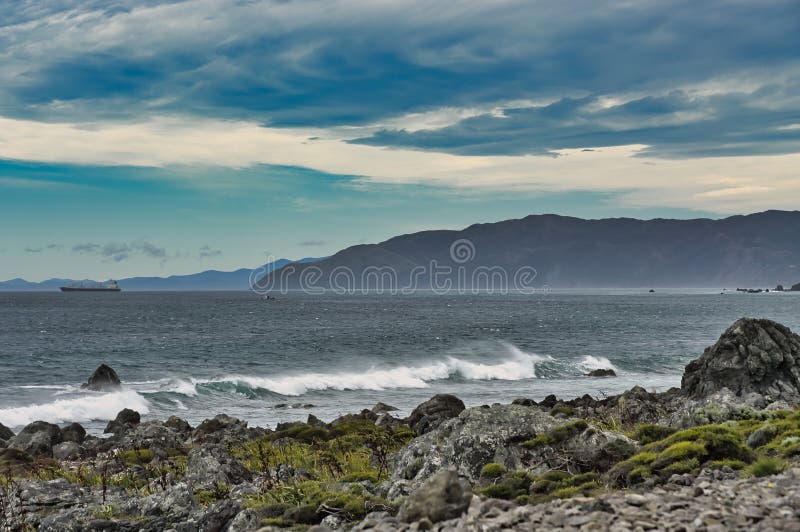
<point>210,464</point>
<point>218,515</point>
<point>178,425</point>
<point>752,356</point>
<point>224,429</point>
<point>126,419</point>
<point>443,496</point>
<point>74,432</point>
<point>523,401</point>
<point>549,402</point>
<point>602,373</point>
<point>5,432</point>
<point>103,379</point>
<point>286,425</point>
<point>364,415</point>
<point>381,408</point>
<point>779,288</point>
<point>795,288</point>
<point>314,421</point>
<point>37,438</point>
<point>434,412</point>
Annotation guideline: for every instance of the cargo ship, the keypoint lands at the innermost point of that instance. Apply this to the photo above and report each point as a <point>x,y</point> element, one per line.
<point>110,286</point>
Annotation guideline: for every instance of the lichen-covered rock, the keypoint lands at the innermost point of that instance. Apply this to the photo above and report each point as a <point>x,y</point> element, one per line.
<point>443,496</point>
<point>435,411</point>
<point>211,464</point>
<point>176,500</point>
<point>225,430</point>
<point>37,438</point>
<point>68,450</point>
<point>752,356</point>
<point>478,436</point>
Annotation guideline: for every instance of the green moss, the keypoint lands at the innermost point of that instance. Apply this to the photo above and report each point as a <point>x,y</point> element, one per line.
<point>493,470</point>
<point>645,434</point>
<point>558,434</point>
<point>305,515</point>
<point>275,521</point>
<point>682,450</point>
<point>135,457</point>
<point>563,410</point>
<point>719,464</point>
<point>539,441</point>
<point>565,493</point>
<point>682,466</point>
<point>719,441</point>
<point>498,491</point>
<point>766,466</point>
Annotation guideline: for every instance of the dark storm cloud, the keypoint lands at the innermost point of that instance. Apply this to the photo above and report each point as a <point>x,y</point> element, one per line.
<point>206,252</point>
<point>311,243</point>
<point>673,125</point>
<point>321,64</point>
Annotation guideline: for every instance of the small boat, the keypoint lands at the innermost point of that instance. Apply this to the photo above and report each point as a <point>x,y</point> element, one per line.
<point>111,286</point>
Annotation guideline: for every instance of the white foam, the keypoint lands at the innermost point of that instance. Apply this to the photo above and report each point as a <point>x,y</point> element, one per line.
<point>518,366</point>
<point>590,363</point>
<point>86,408</point>
<point>173,385</point>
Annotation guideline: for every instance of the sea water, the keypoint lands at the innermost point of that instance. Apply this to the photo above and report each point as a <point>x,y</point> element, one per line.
<point>199,354</point>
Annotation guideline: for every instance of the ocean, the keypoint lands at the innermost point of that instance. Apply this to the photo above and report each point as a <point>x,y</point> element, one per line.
<point>199,354</point>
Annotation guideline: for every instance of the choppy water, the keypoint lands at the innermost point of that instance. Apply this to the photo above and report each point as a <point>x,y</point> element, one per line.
<point>199,354</point>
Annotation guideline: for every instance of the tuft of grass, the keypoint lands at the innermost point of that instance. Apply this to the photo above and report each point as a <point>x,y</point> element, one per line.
<point>493,470</point>
<point>557,435</point>
<point>645,434</point>
<point>766,466</point>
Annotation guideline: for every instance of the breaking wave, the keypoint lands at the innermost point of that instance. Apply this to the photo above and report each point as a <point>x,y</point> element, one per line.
<point>590,363</point>
<point>517,366</point>
<point>86,408</point>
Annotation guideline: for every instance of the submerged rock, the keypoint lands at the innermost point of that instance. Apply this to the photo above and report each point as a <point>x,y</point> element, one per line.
<point>752,356</point>
<point>103,379</point>
<point>602,373</point>
<point>444,496</point>
<point>435,411</point>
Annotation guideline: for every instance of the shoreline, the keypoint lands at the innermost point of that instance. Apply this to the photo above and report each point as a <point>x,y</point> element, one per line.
<point>731,430</point>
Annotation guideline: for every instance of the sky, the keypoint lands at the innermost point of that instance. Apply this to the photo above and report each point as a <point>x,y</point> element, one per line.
<point>156,138</point>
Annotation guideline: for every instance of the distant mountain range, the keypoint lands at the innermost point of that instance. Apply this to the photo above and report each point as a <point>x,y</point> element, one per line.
<point>207,280</point>
<point>756,250</point>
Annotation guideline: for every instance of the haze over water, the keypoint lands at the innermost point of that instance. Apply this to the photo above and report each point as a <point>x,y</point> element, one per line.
<point>199,354</point>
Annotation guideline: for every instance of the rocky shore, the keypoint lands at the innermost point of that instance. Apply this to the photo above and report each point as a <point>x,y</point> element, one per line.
<point>719,453</point>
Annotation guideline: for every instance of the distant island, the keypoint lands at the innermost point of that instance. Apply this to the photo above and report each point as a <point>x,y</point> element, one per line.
<point>208,280</point>
<point>759,249</point>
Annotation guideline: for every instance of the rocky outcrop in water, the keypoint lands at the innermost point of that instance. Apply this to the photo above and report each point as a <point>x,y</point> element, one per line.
<point>752,356</point>
<point>103,379</point>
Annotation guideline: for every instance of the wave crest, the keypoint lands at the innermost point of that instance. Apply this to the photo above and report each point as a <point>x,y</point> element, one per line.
<point>518,366</point>
<point>86,408</point>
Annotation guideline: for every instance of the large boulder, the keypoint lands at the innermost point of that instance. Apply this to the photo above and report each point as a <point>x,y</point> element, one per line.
<point>210,464</point>
<point>752,356</point>
<point>74,432</point>
<point>434,412</point>
<point>475,438</point>
<point>103,379</point>
<point>125,420</point>
<point>444,496</point>
<point>37,438</point>
<point>225,430</point>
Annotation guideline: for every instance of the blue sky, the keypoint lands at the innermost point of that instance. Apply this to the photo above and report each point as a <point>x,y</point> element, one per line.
<point>152,138</point>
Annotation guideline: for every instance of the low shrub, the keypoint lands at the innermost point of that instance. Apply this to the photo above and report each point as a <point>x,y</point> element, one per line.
<point>493,470</point>
<point>766,466</point>
<point>645,434</point>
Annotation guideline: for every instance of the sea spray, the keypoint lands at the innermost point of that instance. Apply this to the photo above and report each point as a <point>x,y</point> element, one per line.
<point>85,408</point>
